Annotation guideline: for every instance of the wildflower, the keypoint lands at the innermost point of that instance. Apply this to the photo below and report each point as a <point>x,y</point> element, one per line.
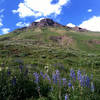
<point>73,87</point>
<point>21,68</point>
<point>41,73</point>
<point>87,81</point>
<point>58,77</point>
<point>8,72</point>
<point>58,74</point>
<point>66,97</point>
<point>82,80</point>
<point>48,78</point>
<point>78,74</point>
<point>69,84</point>
<point>36,77</point>
<point>64,81</point>
<point>72,74</point>
<point>54,77</point>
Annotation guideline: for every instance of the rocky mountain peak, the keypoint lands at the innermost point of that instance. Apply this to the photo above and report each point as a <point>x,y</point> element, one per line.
<point>45,22</point>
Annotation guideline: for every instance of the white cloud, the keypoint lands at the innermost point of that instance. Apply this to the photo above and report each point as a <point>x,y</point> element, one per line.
<point>90,10</point>
<point>92,24</point>
<point>21,24</point>
<point>39,8</point>
<point>5,30</point>
<point>1,24</point>
<point>2,10</point>
<point>70,25</point>
<point>38,20</point>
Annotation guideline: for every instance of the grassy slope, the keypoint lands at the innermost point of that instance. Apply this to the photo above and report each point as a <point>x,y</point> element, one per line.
<point>34,46</point>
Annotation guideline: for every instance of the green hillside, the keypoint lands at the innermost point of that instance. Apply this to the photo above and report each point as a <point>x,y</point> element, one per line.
<point>59,48</point>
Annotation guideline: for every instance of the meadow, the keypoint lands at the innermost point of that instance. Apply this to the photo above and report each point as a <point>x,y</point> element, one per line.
<point>49,64</point>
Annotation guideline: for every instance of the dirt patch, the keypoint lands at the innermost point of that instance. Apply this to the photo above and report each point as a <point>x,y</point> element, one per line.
<point>62,40</point>
<point>94,41</point>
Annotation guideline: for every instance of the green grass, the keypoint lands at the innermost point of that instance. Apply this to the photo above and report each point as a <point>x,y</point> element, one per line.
<point>33,48</point>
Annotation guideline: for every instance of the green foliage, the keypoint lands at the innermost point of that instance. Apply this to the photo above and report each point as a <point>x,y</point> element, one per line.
<point>36,51</point>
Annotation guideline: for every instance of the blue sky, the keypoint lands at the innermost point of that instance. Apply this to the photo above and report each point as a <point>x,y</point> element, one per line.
<point>19,13</point>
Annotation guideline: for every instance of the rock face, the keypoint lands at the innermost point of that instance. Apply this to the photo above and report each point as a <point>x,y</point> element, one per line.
<point>79,29</point>
<point>44,23</point>
<point>49,22</point>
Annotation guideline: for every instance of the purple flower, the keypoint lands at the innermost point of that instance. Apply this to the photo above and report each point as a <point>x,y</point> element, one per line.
<point>69,84</point>
<point>72,74</point>
<point>57,74</point>
<point>64,81</point>
<point>79,75</point>
<point>8,72</point>
<point>48,78</point>
<point>54,78</point>
<point>87,81</point>
<point>36,77</point>
<point>21,68</point>
<point>66,97</point>
<point>41,73</point>
<point>82,80</point>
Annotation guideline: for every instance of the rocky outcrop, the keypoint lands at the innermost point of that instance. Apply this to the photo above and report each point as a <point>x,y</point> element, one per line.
<point>79,29</point>
<point>44,23</point>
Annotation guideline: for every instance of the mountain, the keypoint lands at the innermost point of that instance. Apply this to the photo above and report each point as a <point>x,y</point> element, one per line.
<point>48,48</point>
<point>44,23</point>
<point>50,33</point>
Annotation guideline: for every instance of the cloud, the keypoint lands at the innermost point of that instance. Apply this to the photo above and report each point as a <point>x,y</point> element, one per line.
<point>70,25</point>
<point>90,10</point>
<point>5,30</point>
<point>21,24</point>
<point>39,8</point>
<point>1,24</point>
<point>38,20</point>
<point>2,10</point>
<point>92,24</point>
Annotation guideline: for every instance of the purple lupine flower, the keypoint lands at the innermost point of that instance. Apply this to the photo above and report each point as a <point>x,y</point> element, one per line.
<point>92,87</point>
<point>58,74</point>
<point>41,73</point>
<point>69,84</point>
<point>21,68</point>
<point>43,76</point>
<point>79,75</point>
<point>54,77</point>
<point>48,78</point>
<point>73,87</point>
<point>66,97</point>
<point>13,81</point>
<point>58,77</point>
<point>64,81</point>
<point>8,72</point>
<point>82,80</point>
<point>72,74</point>
<point>87,81</point>
<point>36,77</point>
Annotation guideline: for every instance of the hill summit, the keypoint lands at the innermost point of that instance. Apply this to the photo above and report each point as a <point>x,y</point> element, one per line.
<point>44,23</point>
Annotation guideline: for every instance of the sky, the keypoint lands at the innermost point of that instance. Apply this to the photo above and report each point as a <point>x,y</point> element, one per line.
<point>20,13</point>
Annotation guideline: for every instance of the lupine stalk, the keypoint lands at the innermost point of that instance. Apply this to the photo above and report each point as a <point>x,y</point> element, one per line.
<point>66,97</point>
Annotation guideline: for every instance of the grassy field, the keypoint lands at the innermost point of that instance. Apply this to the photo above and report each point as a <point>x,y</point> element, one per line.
<point>26,56</point>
